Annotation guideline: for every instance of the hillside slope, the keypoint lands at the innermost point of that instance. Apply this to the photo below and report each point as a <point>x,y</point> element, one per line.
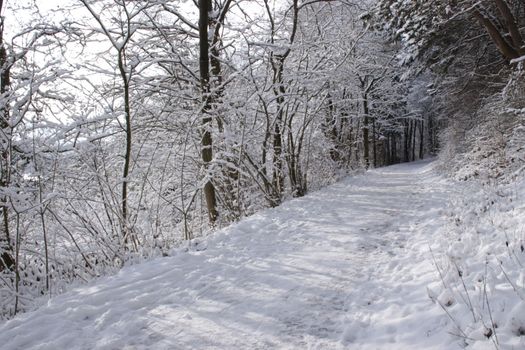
<point>343,268</point>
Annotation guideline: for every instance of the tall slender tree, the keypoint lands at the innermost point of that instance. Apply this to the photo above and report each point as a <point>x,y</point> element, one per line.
<point>206,142</point>
<point>6,249</point>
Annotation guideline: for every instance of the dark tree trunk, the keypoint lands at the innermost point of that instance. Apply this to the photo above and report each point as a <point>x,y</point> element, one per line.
<point>512,27</point>
<point>229,172</point>
<point>206,141</point>
<point>277,171</point>
<point>374,141</point>
<point>127,154</point>
<point>279,90</point>
<point>386,151</point>
<point>421,139</point>
<point>414,125</point>
<point>406,136</point>
<point>366,144</point>
<point>393,149</point>
<point>7,260</point>
<point>504,47</point>
<point>432,144</point>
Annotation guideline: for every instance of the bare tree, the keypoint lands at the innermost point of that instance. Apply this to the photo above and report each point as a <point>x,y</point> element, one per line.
<point>120,40</point>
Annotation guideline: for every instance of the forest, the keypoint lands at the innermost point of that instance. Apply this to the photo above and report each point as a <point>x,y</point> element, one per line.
<point>130,127</point>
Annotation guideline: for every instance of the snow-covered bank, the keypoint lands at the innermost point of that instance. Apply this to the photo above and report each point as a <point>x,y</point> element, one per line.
<point>343,268</point>
<point>482,266</point>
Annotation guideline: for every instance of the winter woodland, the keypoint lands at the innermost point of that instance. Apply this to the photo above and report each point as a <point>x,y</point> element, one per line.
<point>130,129</point>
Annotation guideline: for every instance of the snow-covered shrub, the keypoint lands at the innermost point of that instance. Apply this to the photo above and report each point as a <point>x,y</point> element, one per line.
<point>481,267</point>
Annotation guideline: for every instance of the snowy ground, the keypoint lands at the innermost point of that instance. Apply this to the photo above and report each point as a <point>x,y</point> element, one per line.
<point>343,268</point>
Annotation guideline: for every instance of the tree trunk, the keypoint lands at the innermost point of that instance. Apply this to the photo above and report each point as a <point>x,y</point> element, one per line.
<point>414,125</point>
<point>229,172</point>
<point>7,260</point>
<point>510,22</point>
<point>506,50</point>
<point>374,141</point>
<point>393,149</point>
<point>279,91</point>
<point>357,149</point>
<point>127,154</point>
<point>431,135</point>
<point>421,139</point>
<point>386,151</point>
<point>406,150</point>
<point>366,145</point>
<point>206,141</point>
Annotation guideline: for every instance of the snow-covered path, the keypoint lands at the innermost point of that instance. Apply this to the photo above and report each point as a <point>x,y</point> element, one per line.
<point>342,268</point>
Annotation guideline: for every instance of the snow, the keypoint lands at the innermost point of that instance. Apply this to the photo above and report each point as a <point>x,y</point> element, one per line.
<point>344,268</point>
<point>517,60</point>
<point>482,266</point>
